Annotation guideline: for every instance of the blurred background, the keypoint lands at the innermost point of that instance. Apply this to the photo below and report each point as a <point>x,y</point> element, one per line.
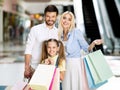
<point>95,18</point>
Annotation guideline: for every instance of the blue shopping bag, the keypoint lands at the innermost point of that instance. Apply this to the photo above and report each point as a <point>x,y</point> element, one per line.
<point>98,66</point>
<point>91,83</point>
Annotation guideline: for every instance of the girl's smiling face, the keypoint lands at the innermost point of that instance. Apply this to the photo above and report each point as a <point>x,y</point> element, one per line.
<point>52,48</point>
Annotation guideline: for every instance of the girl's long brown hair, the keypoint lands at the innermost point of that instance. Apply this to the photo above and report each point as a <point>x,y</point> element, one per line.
<point>61,51</point>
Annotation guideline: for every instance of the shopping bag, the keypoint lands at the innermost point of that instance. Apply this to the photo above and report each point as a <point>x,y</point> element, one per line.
<point>43,78</point>
<point>84,77</point>
<point>56,80</point>
<point>91,83</point>
<point>98,66</point>
<point>20,85</point>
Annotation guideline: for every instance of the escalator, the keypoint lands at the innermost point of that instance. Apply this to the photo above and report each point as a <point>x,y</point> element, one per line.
<point>113,16</point>
<point>90,22</point>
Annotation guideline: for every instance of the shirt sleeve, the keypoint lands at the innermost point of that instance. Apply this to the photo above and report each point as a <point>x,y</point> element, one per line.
<point>62,66</point>
<point>83,43</point>
<point>30,41</point>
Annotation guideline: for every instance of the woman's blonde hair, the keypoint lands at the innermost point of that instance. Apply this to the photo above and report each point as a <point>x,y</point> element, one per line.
<point>60,28</point>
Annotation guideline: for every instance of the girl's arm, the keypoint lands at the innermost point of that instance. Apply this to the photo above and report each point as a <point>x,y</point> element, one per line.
<point>62,70</point>
<point>62,73</point>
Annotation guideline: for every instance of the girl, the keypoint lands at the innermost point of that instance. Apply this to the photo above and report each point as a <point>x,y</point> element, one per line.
<point>53,54</point>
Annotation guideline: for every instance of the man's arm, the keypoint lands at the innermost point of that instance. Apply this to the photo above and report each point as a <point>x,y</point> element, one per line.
<point>29,48</point>
<point>27,71</point>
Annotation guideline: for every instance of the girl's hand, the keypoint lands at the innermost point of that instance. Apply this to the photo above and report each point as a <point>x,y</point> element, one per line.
<point>49,61</point>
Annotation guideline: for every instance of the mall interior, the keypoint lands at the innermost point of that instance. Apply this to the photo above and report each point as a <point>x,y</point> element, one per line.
<point>95,18</point>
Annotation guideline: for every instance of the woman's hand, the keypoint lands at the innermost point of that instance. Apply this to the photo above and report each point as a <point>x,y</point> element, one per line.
<point>98,41</point>
<point>95,42</point>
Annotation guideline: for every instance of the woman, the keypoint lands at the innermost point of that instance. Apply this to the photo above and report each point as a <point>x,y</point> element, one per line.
<point>74,42</point>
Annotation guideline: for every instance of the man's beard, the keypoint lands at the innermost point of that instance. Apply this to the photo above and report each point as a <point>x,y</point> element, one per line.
<point>50,24</point>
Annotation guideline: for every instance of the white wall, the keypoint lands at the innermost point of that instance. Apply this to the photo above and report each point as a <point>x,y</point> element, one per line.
<point>79,15</point>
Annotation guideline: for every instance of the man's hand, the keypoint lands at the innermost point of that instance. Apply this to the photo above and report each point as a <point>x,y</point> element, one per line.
<point>27,72</point>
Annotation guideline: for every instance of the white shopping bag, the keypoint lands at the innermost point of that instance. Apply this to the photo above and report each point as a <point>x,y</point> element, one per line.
<point>45,77</point>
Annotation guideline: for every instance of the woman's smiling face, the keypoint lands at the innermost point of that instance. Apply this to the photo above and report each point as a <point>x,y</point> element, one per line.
<point>66,21</point>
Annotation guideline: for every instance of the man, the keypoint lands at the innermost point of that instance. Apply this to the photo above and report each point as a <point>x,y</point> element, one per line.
<point>37,35</point>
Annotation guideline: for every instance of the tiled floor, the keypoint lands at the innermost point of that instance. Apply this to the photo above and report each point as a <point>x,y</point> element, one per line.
<point>12,66</point>
<point>11,63</point>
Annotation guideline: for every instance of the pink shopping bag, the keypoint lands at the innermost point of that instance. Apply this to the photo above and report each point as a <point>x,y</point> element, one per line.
<point>55,80</point>
<point>85,85</point>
